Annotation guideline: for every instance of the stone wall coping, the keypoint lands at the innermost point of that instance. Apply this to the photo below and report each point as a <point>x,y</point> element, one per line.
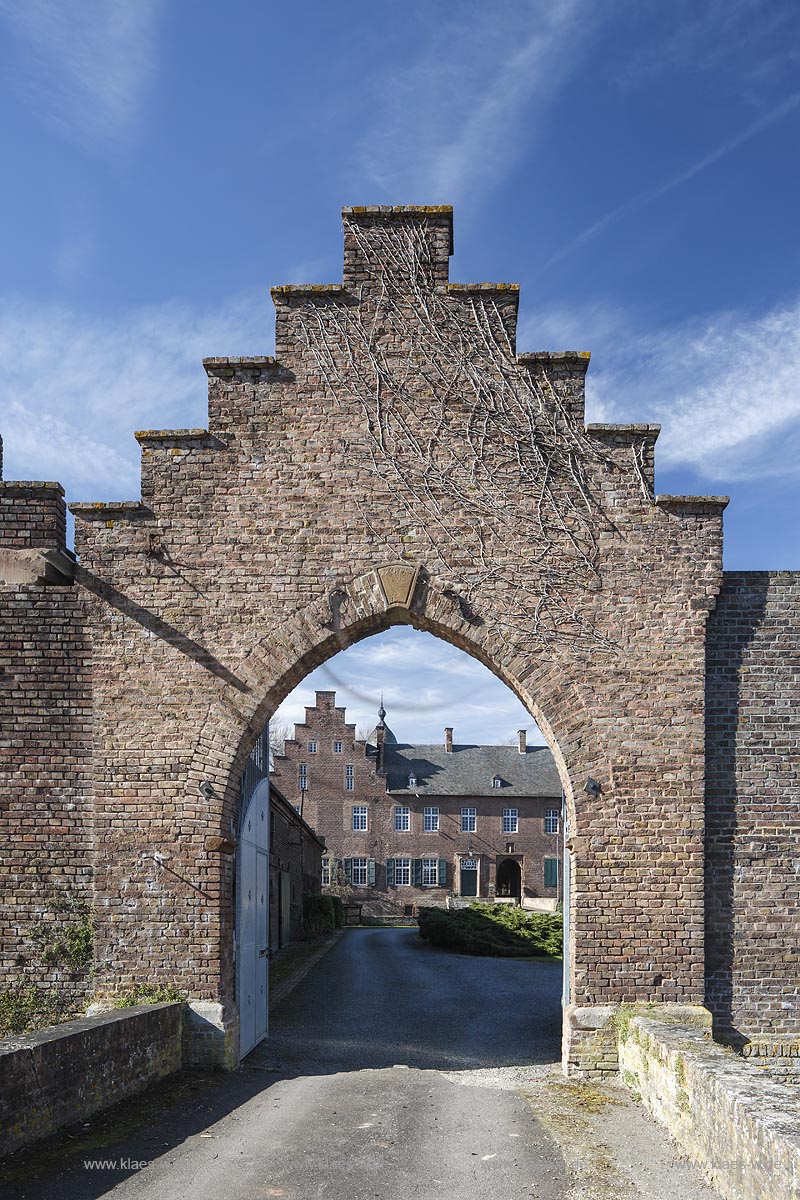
<point>761,1098</point>
<point>393,210</point>
<point>466,288</point>
<point>532,357</point>
<point>303,289</point>
<point>173,435</point>
<point>634,430</point>
<point>336,289</point>
<point>30,486</point>
<point>240,360</point>
<point>101,508</point>
<point>693,502</point>
<point>53,1033</point>
<point>597,1016</point>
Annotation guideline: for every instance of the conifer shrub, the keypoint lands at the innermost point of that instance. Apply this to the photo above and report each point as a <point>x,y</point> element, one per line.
<point>494,929</point>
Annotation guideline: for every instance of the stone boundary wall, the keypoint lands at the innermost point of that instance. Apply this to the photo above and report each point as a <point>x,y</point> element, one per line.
<point>753,808</point>
<point>742,1129</point>
<point>58,1076</point>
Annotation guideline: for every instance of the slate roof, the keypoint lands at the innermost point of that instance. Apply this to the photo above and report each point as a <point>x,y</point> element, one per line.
<point>469,771</point>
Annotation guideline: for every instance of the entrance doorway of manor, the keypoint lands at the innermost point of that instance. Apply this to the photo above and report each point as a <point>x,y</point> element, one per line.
<point>401,775</point>
<point>509,879</point>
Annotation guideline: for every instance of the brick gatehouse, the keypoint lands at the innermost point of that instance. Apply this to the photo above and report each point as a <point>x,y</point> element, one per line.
<point>399,461</point>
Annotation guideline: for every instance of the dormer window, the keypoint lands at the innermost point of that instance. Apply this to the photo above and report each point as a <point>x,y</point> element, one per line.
<point>412,781</point>
<point>497,781</point>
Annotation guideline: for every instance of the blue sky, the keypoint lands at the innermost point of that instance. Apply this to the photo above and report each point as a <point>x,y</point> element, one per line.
<point>633,165</point>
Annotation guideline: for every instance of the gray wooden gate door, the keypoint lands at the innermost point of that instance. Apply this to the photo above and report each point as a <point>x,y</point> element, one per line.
<point>252,923</point>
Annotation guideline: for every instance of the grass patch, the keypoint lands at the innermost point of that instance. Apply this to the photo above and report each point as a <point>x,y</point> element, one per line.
<point>26,1007</point>
<point>500,930</point>
<point>148,993</point>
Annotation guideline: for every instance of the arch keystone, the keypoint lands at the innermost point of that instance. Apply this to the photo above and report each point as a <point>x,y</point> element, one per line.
<point>399,584</point>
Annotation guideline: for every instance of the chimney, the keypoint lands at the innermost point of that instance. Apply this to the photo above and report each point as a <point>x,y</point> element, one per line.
<point>448,739</point>
<point>523,740</point>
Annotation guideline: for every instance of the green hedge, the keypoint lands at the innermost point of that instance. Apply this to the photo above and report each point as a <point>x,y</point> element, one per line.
<point>319,914</point>
<point>494,929</point>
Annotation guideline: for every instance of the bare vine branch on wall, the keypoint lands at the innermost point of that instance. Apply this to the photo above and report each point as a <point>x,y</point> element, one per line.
<point>432,371</point>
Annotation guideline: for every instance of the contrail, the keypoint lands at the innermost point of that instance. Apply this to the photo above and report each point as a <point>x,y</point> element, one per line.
<point>646,197</point>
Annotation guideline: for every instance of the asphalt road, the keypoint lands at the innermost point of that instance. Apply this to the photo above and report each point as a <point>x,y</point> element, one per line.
<point>383,998</point>
<point>347,1099</point>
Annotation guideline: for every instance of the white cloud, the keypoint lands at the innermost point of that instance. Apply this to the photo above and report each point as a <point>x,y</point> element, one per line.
<point>426,684</point>
<point>455,120</point>
<point>380,656</point>
<point>85,64</point>
<point>75,386</point>
<point>725,387</point>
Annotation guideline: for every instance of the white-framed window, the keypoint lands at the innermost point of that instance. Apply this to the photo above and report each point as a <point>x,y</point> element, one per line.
<point>412,781</point>
<point>302,774</point>
<point>510,820</point>
<point>430,872</point>
<point>349,779</point>
<point>337,747</point>
<point>402,872</point>
<point>326,872</point>
<point>360,817</point>
<point>359,876</point>
<point>551,820</point>
<point>468,819</point>
<point>312,747</point>
<point>402,818</point>
<point>431,820</point>
<point>497,782</point>
<point>297,808</point>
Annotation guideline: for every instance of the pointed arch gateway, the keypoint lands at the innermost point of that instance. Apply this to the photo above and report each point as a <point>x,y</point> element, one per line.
<point>399,461</point>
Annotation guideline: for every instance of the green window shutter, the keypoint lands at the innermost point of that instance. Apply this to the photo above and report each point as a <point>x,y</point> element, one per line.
<point>371,872</point>
<point>442,872</point>
<point>390,872</point>
<point>551,872</point>
<point>347,863</point>
<point>416,872</point>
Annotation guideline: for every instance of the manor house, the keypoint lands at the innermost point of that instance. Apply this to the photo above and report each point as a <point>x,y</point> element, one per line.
<point>409,824</point>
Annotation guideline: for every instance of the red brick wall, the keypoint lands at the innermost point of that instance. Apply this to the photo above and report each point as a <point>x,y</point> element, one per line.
<point>753,806</point>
